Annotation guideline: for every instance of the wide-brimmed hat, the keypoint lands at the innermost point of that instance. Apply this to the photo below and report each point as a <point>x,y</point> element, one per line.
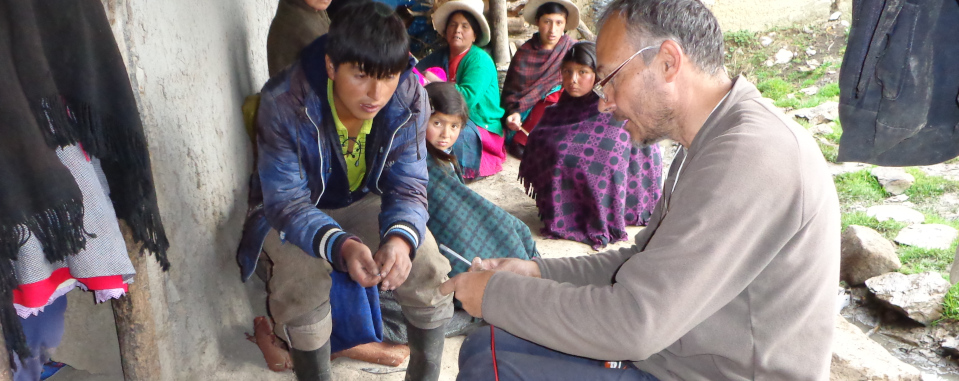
<point>572,21</point>
<point>473,7</point>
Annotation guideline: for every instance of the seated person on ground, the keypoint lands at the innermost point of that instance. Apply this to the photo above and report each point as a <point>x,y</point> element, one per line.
<point>588,178</point>
<point>465,224</point>
<point>735,276</point>
<point>480,149</point>
<point>533,80</point>
<point>342,174</point>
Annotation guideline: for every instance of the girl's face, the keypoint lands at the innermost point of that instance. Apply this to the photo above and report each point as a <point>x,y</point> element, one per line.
<point>443,130</point>
<point>578,79</point>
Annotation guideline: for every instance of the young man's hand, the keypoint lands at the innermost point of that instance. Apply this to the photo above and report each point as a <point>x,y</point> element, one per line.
<point>514,121</point>
<point>393,259</point>
<point>359,263</point>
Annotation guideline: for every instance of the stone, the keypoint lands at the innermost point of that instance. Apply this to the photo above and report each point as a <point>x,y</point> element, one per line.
<point>811,90</point>
<point>844,23</point>
<point>826,112</point>
<point>811,51</point>
<point>918,296</point>
<point>896,213</point>
<point>927,236</point>
<point>954,272</point>
<point>950,345</point>
<point>821,129</point>
<point>865,254</point>
<point>813,64</point>
<point>898,198</point>
<point>856,357</point>
<point>783,56</point>
<point>893,180</point>
<point>765,40</point>
<point>835,16</point>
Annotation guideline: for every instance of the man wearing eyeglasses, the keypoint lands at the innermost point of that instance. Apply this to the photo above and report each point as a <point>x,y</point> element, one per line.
<point>734,277</point>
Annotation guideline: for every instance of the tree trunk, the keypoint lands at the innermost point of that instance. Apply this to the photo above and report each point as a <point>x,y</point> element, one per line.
<point>499,31</point>
<point>139,354</point>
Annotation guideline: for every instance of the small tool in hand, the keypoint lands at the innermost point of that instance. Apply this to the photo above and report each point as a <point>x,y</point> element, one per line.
<point>454,254</point>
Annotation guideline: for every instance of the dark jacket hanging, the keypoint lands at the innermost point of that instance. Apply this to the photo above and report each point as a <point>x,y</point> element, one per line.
<point>899,100</point>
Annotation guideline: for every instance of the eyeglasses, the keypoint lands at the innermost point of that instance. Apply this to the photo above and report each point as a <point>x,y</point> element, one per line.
<point>598,88</point>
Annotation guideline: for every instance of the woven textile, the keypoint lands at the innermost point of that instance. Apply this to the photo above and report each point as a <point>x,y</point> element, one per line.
<point>533,73</point>
<point>588,179</point>
<point>469,224</point>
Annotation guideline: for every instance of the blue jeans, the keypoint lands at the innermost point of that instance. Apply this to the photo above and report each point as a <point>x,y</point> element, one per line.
<point>518,359</point>
<point>43,333</point>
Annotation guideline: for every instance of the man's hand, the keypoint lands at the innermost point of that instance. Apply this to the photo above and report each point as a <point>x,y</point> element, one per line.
<point>359,263</point>
<point>393,259</point>
<point>514,121</point>
<point>513,265</point>
<point>469,289</point>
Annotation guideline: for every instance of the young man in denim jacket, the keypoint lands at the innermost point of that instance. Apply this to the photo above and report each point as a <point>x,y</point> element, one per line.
<point>348,119</point>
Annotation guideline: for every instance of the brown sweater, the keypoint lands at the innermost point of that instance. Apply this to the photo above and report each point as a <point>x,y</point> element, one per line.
<point>736,282</point>
<point>294,27</point>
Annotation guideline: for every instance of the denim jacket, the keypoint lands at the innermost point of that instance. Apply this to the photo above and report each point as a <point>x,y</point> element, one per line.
<point>301,169</point>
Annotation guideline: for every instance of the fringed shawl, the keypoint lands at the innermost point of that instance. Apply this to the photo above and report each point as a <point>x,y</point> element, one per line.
<point>533,73</point>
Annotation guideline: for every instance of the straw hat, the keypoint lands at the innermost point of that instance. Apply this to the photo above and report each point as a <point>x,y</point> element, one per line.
<point>473,7</point>
<point>572,21</point>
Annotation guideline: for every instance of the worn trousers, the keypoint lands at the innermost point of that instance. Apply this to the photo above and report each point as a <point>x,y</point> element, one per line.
<point>518,359</point>
<point>44,333</point>
<point>299,288</point>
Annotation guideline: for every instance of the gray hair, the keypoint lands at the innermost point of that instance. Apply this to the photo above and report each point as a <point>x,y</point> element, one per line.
<point>688,22</point>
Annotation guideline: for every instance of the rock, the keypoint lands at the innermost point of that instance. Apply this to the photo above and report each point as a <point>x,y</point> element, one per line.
<point>811,90</point>
<point>950,345</point>
<point>844,23</point>
<point>954,272</point>
<point>856,357</point>
<point>898,198</point>
<point>821,129</point>
<point>896,213</point>
<point>927,236</point>
<point>826,112</point>
<point>865,254</point>
<point>918,296</point>
<point>770,63</point>
<point>783,56</point>
<point>835,16</point>
<point>813,64</point>
<point>765,40</point>
<point>894,180</point>
<point>515,25</point>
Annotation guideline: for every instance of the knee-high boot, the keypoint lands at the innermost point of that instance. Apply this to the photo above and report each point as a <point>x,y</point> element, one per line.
<point>312,365</point>
<point>426,353</point>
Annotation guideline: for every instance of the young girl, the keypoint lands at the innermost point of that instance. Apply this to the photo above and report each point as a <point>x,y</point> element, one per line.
<point>465,224</point>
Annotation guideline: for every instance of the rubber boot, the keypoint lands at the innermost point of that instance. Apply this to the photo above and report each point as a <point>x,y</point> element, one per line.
<point>426,353</point>
<point>312,365</point>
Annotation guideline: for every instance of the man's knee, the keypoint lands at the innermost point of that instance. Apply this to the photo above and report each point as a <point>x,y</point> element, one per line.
<point>308,332</point>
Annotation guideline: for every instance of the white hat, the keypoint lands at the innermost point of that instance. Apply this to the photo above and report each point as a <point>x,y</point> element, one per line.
<point>473,7</point>
<point>572,21</point>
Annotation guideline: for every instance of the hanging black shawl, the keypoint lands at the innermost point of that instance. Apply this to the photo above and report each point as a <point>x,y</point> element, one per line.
<point>64,82</point>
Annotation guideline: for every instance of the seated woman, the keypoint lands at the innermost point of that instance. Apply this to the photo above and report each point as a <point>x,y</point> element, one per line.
<point>480,150</point>
<point>588,179</point>
<point>464,223</point>
<point>533,80</point>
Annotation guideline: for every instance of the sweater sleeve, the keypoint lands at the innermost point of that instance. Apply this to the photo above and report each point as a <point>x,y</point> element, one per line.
<point>723,227</point>
<point>474,76</point>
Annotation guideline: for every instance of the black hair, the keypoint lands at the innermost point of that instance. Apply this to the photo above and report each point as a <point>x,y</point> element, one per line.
<point>370,35</point>
<point>583,53</point>
<point>551,8</point>
<point>336,5</point>
<point>445,99</point>
<point>470,19</point>
<point>688,22</point>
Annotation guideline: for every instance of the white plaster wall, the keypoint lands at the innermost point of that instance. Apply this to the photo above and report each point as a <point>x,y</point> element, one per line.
<point>191,64</point>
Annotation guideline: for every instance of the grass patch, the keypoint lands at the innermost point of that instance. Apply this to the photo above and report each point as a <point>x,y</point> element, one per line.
<point>927,188</point>
<point>888,228</point>
<point>858,186</point>
<point>918,260</point>
<point>776,89</point>
<point>836,133</point>
<point>950,307</point>
<point>830,90</point>
<point>742,39</point>
<point>829,151</point>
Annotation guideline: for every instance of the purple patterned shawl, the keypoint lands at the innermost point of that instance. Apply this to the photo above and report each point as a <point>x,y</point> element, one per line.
<point>589,181</point>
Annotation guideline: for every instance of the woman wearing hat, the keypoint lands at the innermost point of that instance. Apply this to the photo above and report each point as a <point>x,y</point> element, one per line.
<point>533,80</point>
<point>461,23</point>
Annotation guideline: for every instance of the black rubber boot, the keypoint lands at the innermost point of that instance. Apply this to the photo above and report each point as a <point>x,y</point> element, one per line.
<point>426,353</point>
<point>312,365</point>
